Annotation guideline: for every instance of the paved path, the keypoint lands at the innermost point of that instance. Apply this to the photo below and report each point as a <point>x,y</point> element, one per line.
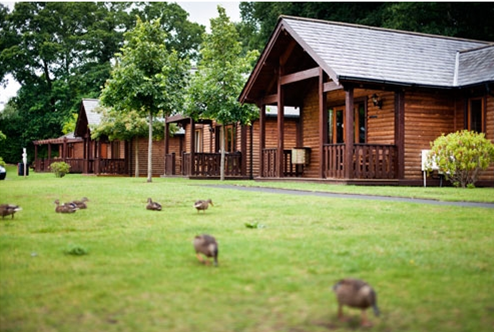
<point>353,196</point>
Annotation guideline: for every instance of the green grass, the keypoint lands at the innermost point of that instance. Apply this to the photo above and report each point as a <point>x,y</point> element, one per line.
<point>118,267</point>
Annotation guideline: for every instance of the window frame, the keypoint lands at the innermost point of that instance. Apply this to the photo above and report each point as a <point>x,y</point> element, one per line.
<point>468,115</point>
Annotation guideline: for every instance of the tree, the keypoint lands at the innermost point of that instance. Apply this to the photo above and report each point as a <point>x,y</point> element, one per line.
<point>147,78</point>
<point>61,52</point>
<point>125,127</point>
<point>221,75</point>
<point>461,156</point>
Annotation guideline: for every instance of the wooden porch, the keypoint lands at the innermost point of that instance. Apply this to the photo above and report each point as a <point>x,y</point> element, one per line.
<point>204,165</point>
<point>96,166</point>
<point>369,162</point>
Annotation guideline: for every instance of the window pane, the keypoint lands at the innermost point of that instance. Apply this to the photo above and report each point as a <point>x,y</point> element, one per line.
<point>339,127</point>
<point>362,123</point>
<point>330,126</point>
<point>476,115</point>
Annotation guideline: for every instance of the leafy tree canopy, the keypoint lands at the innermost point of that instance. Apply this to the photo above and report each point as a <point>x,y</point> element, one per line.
<point>61,52</point>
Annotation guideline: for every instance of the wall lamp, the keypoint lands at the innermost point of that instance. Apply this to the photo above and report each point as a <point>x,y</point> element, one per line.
<point>211,129</point>
<point>377,101</point>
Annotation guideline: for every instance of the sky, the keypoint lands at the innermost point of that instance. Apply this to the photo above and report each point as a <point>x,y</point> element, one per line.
<point>199,11</point>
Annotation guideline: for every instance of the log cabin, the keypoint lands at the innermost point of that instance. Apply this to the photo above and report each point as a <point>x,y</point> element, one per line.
<point>370,99</point>
<point>81,152</point>
<point>197,154</point>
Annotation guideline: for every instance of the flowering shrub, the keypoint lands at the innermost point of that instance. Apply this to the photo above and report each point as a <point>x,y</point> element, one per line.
<point>60,168</point>
<point>462,156</point>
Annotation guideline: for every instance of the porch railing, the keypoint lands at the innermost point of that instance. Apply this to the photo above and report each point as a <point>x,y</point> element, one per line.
<point>208,164</point>
<point>370,161</point>
<point>269,160</point>
<point>105,166</point>
<point>112,166</point>
<point>43,165</point>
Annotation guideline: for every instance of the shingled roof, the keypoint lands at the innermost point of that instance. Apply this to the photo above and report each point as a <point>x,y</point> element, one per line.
<point>350,52</point>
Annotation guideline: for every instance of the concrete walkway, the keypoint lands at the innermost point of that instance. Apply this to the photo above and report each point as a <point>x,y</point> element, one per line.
<point>353,196</point>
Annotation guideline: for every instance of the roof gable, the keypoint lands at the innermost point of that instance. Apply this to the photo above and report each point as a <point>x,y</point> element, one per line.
<point>349,52</point>
<point>380,55</point>
<point>87,116</point>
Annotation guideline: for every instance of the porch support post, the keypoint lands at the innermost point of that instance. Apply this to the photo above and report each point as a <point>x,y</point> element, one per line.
<point>192,146</point>
<point>36,161</point>
<point>64,149</point>
<point>349,138</point>
<point>281,116</point>
<point>85,168</point>
<point>400,133</point>
<point>97,155</point>
<point>243,149</point>
<point>167,142</point>
<point>262,138</point>
<point>323,124</point>
<point>49,154</point>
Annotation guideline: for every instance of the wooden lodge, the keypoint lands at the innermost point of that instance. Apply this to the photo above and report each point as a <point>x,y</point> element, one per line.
<point>83,154</point>
<point>370,100</point>
<point>198,153</point>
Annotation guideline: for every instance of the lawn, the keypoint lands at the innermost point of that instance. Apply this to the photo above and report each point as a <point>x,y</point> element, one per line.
<point>136,270</point>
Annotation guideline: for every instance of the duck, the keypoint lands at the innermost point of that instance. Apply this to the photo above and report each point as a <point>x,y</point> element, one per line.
<point>155,206</point>
<point>81,204</point>
<point>203,205</point>
<point>65,208</point>
<point>356,293</point>
<point>206,245</point>
<point>6,209</point>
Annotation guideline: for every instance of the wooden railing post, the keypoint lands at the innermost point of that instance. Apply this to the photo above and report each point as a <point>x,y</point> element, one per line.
<point>349,133</point>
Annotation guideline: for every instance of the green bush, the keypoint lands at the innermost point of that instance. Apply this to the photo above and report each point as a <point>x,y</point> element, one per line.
<point>2,163</point>
<point>462,156</point>
<point>60,168</point>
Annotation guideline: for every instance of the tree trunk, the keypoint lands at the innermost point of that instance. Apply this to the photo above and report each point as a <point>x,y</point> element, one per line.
<point>150,148</point>
<point>222,162</point>
<point>137,157</point>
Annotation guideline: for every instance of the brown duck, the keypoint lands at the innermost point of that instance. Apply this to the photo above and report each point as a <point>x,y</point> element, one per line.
<point>82,203</point>
<point>65,208</point>
<point>6,209</point>
<point>206,245</point>
<point>203,205</point>
<point>356,294</point>
<point>155,206</point>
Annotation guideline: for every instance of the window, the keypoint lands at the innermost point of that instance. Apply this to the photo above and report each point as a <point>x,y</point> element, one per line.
<point>198,140</point>
<point>475,116</point>
<point>230,138</point>
<point>336,124</point>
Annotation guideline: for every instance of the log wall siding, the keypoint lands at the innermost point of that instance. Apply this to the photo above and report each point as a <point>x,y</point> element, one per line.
<point>380,122</point>
<point>158,159</point>
<point>427,116</point>
<point>310,120</point>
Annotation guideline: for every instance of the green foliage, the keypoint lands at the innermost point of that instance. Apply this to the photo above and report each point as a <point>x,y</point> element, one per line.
<point>461,156</point>
<point>220,78</point>
<point>60,168</point>
<point>221,75</point>
<point>148,78</point>
<point>69,126</point>
<point>2,163</point>
<point>61,52</point>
